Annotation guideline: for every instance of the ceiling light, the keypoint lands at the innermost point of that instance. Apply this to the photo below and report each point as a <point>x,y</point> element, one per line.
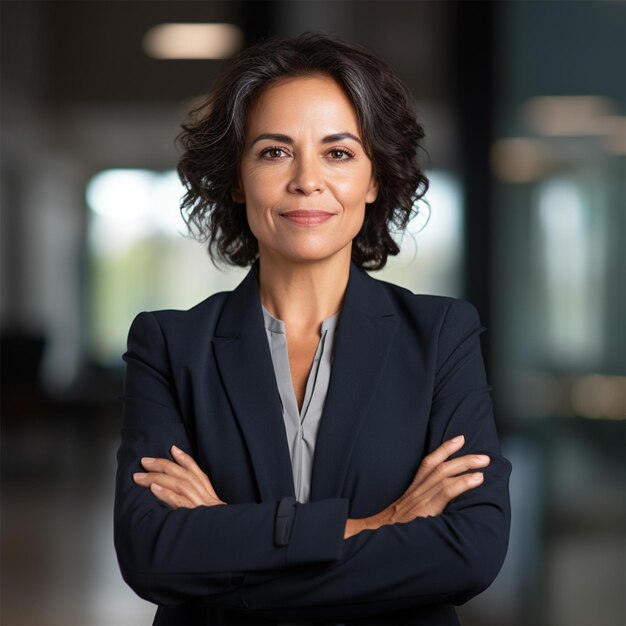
<point>567,115</point>
<point>614,127</point>
<point>519,160</point>
<point>192,41</point>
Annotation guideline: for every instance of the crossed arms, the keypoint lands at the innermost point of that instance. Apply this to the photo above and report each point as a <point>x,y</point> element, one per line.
<point>444,539</point>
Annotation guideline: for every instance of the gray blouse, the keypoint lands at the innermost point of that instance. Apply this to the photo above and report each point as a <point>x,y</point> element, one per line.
<point>301,427</point>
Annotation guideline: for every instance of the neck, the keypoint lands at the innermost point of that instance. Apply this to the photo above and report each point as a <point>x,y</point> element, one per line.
<point>303,294</point>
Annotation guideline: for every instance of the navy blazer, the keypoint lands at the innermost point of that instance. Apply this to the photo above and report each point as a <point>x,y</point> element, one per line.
<point>407,374</point>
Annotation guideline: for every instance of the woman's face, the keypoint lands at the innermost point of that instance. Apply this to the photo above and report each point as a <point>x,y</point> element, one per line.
<point>304,175</point>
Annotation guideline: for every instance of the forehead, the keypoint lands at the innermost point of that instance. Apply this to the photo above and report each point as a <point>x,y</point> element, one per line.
<point>316,99</point>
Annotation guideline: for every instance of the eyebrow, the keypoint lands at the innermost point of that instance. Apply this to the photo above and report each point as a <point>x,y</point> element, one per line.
<point>289,140</point>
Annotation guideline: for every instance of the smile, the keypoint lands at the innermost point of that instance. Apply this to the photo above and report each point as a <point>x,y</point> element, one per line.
<point>307,218</point>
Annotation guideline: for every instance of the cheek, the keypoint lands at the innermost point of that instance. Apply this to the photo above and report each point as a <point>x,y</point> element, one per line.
<point>256,220</point>
<point>359,218</point>
<point>353,191</point>
<point>259,183</point>
<point>259,203</point>
<point>259,196</point>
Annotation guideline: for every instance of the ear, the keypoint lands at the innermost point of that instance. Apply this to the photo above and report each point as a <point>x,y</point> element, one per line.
<point>237,194</point>
<point>372,191</point>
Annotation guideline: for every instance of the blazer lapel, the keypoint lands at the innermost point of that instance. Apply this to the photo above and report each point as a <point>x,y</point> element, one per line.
<point>245,364</point>
<point>362,343</point>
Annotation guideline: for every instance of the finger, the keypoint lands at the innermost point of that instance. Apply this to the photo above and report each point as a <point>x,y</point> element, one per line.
<point>188,462</point>
<point>451,468</point>
<point>442,494</point>
<point>437,456</point>
<point>178,486</point>
<point>170,468</point>
<point>171,498</point>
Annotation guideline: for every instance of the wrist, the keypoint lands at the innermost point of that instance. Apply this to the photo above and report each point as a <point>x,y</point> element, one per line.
<point>383,518</point>
<point>356,525</point>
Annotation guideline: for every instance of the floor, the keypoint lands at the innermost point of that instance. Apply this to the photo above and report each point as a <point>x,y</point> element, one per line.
<point>58,562</point>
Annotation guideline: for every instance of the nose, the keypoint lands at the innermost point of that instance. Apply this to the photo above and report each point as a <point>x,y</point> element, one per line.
<point>306,177</point>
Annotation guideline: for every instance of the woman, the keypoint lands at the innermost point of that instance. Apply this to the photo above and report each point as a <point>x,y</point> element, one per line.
<point>316,446</point>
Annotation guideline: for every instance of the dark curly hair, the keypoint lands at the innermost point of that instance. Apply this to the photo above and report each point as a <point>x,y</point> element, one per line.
<point>213,138</point>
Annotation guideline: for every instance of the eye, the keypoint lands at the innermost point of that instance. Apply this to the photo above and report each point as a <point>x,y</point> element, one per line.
<point>340,154</point>
<point>273,153</point>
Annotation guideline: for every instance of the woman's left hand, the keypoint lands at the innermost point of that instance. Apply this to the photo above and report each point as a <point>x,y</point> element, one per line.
<point>179,483</point>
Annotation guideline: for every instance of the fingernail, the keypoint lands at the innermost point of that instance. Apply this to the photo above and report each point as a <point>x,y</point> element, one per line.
<point>139,475</point>
<point>176,450</point>
<point>147,460</point>
<point>482,458</point>
<point>156,487</point>
<point>477,478</point>
<point>457,439</point>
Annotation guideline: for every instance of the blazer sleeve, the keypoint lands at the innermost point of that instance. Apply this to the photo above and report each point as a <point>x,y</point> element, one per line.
<point>446,558</point>
<point>168,556</point>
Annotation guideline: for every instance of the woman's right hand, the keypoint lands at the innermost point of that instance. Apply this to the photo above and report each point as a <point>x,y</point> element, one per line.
<point>179,483</point>
<point>437,482</point>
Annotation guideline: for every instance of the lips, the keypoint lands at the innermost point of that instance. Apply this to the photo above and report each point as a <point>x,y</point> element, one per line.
<point>307,218</point>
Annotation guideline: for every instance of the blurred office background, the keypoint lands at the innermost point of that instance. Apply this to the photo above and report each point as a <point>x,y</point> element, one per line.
<point>523,104</point>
